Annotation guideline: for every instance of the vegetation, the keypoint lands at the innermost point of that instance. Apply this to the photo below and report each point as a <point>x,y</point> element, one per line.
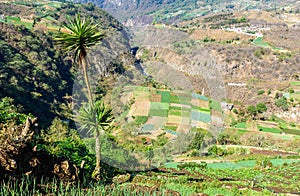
<point>154,139</point>
<point>83,35</point>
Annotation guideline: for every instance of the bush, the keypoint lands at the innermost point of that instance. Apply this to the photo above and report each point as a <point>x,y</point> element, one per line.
<point>261,108</point>
<point>9,112</point>
<point>214,150</point>
<point>260,92</point>
<point>193,166</point>
<point>282,103</point>
<point>264,162</point>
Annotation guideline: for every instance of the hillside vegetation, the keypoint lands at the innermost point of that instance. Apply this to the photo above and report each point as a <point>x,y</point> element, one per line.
<point>203,100</point>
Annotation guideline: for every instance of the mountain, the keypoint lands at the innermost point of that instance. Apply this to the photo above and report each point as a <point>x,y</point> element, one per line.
<point>134,12</point>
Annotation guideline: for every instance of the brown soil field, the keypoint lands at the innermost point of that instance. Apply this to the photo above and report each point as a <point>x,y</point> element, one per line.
<point>140,108</point>
<point>155,98</point>
<point>200,103</point>
<point>174,120</point>
<point>180,105</point>
<point>157,121</point>
<point>218,34</point>
<point>270,152</point>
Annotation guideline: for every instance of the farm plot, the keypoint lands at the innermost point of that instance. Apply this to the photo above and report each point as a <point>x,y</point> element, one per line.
<point>259,42</point>
<point>155,98</point>
<point>199,124</point>
<point>165,96</point>
<point>180,99</point>
<point>157,121</point>
<point>140,109</point>
<point>147,128</point>
<point>199,103</point>
<point>175,106</point>
<point>170,128</point>
<point>201,97</point>
<point>200,116</point>
<point>174,120</point>
<point>241,125</point>
<point>140,120</point>
<point>170,111</point>
<point>159,109</point>
<point>215,105</point>
<point>270,130</point>
<point>142,96</point>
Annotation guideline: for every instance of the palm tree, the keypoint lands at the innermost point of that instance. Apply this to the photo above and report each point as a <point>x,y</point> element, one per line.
<point>96,119</point>
<point>82,35</point>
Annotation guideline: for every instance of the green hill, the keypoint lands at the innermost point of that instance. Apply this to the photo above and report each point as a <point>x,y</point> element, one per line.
<point>34,71</point>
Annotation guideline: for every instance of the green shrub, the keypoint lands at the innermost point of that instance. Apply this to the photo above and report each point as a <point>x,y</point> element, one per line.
<point>264,162</point>
<point>10,113</point>
<point>260,92</point>
<point>282,103</point>
<point>193,166</point>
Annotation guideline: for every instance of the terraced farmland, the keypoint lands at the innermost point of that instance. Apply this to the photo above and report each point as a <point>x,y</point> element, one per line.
<point>169,111</point>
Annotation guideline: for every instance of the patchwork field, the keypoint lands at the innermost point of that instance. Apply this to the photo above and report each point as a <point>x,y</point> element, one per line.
<point>170,111</point>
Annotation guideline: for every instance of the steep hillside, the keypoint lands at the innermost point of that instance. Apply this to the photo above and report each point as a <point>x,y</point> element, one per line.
<point>248,59</point>
<point>34,71</point>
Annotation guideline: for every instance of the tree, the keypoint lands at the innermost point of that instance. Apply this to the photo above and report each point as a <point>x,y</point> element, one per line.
<point>82,35</point>
<point>149,155</point>
<point>252,110</point>
<point>261,108</point>
<point>95,119</point>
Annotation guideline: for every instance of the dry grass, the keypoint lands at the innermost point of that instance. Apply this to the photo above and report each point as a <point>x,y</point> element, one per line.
<point>218,34</point>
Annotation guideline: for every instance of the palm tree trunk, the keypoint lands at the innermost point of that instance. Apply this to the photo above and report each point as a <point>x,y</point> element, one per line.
<point>98,155</point>
<point>86,79</point>
<point>90,99</point>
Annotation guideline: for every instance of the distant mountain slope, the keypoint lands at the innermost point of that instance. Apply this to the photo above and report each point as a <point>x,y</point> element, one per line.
<point>173,10</point>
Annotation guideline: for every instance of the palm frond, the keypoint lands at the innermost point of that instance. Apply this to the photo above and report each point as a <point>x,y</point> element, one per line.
<point>94,118</point>
<point>82,35</point>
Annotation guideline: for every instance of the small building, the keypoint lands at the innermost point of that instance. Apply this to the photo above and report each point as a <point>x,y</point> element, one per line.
<point>226,106</point>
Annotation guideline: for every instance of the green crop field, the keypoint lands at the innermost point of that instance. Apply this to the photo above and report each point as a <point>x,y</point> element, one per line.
<point>175,106</point>
<point>195,95</point>
<point>165,96</point>
<point>158,112</point>
<point>270,130</point>
<point>175,112</point>
<point>259,42</point>
<point>159,106</point>
<point>199,116</point>
<point>295,83</point>
<point>172,128</point>
<point>215,105</point>
<point>141,119</point>
<point>242,131</point>
<point>241,125</point>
